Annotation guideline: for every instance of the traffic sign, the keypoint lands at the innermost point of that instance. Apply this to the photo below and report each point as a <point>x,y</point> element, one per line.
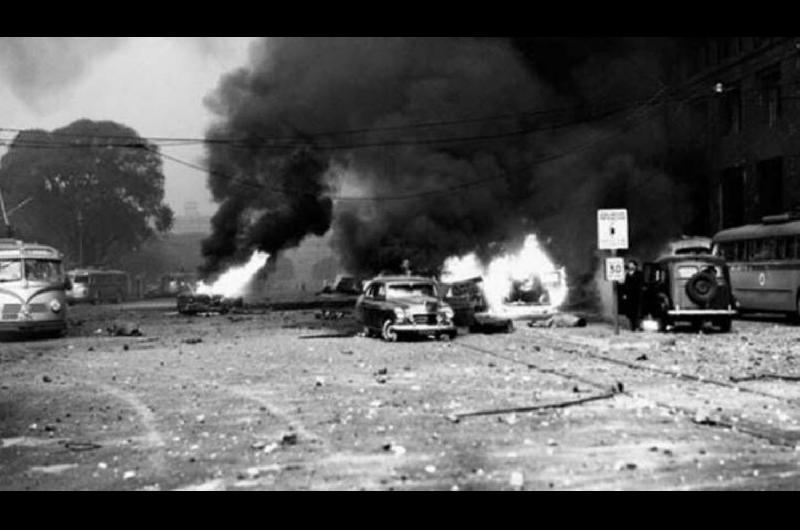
<point>615,269</point>
<point>612,229</point>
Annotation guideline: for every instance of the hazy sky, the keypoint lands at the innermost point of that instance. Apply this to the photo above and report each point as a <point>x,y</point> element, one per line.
<point>155,85</point>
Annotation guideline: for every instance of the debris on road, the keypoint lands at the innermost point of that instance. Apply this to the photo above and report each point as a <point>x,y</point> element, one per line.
<point>289,439</point>
<point>559,320</point>
<point>192,340</point>
<point>121,328</point>
<point>642,357</point>
<point>517,480</point>
<point>53,469</point>
<point>47,379</point>
<point>455,418</point>
<point>81,446</point>
<point>756,377</point>
<point>398,450</point>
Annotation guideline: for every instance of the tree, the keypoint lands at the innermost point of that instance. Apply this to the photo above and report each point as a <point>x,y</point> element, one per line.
<point>95,189</point>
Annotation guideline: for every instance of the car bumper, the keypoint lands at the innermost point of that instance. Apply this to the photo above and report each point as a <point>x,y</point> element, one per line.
<point>423,328</point>
<point>701,312</point>
<point>32,326</point>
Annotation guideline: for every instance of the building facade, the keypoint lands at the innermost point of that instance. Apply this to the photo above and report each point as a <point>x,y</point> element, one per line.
<point>745,93</point>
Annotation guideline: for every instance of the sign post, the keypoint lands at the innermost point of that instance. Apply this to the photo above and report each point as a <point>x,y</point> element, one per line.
<point>612,234</point>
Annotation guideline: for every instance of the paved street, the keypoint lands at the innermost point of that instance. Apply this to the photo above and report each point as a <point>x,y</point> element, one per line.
<point>285,400</point>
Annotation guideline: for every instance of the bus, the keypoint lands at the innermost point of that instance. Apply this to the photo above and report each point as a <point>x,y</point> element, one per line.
<point>764,261</point>
<point>98,285</point>
<point>32,288</point>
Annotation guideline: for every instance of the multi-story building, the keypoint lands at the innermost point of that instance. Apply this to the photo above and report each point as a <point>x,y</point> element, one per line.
<point>745,97</point>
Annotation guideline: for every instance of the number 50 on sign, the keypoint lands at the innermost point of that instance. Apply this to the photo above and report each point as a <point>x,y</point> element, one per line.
<point>615,269</point>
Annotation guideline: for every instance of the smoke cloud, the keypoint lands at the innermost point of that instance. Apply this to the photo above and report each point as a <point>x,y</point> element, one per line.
<point>38,66</point>
<point>498,186</point>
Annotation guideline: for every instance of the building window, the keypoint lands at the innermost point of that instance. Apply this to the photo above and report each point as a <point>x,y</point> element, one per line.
<point>731,110</point>
<point>770,97</point>
<point>769,174</point>
<point>732,207</point>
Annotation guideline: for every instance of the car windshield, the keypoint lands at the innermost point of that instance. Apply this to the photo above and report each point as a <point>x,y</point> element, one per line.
<point>400,290</point>
<point>40,270</point>
<point>10,270</point>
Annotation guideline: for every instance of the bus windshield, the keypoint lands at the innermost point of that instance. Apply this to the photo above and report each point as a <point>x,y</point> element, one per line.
<point>10,270</point>
<point>43,270</point>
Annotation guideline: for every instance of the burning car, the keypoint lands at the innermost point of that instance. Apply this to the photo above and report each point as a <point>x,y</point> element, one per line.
<point>470,307</point>
<point>689,288</point>
<point>192,303</point>
<point>391,306</point>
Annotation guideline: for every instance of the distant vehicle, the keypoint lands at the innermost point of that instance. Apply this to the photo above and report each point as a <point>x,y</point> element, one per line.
<point>176,282</point>
<point>688,245</point>
<point>403,305</point>
<point>692,288</point>
<point>344,284</point>
<point>764,260</point>
<point>32,288</point>
<point>98,285</point>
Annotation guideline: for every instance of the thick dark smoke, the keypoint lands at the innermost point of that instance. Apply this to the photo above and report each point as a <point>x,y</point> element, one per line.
<point>500,186</point>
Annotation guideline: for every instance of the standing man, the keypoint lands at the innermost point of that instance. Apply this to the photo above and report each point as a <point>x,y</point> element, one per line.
<point>631,303</point>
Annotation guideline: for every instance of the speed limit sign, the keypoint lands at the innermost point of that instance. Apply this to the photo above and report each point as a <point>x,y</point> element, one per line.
<point>615,269</point>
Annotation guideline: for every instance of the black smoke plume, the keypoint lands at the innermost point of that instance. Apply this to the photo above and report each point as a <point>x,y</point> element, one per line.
<point>571,130</point>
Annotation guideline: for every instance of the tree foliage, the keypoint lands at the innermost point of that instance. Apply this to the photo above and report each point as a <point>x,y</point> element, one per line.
<point>94,189</point>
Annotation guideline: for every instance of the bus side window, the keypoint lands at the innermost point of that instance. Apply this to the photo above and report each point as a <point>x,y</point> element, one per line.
<point>770,248</point>
<point>780,247</point>
<point>791,247</point>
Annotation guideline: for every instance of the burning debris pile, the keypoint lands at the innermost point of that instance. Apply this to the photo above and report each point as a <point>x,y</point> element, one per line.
<point>226,292</point>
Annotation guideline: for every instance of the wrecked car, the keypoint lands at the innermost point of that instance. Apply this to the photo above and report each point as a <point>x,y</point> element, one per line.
<point>191,303</point>
<point>344,284</point>
<point>693,288</point>
<point>471,310</point>
<point>393,306</point>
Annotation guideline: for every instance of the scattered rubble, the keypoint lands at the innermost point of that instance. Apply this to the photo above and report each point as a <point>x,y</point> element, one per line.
<point>559,320</point>
<point>122,328</point>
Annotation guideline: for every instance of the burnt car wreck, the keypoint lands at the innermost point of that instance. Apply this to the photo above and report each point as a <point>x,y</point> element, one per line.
<point>471,310</point>
<point>191,303</point>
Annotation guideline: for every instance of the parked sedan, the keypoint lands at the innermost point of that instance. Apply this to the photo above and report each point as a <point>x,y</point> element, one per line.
<point>403,305</point>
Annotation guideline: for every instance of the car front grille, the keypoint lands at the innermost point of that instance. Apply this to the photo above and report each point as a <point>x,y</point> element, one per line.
<point>424,319</point>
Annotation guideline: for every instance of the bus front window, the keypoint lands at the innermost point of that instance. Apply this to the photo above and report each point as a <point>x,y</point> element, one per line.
<point>10,270</point>
<point>37,270</point>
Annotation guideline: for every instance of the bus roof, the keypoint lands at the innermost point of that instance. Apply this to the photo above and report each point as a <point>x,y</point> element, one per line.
<point>13,248</point>
<point>754,231</point>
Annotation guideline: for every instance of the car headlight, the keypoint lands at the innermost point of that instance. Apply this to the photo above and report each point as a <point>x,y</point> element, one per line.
<point>400,314</point>
<point>55,306</point>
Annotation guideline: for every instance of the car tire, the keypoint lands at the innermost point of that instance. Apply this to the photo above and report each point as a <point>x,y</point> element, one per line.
<point>725,325</point>
<point>367,332</point>
<point>388,334</point>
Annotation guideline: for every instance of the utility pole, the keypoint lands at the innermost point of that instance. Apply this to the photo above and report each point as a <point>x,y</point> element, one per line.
<point>9,230</point>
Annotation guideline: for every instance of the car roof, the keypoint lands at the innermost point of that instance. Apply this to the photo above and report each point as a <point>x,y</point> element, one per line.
<point>402,279</point>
